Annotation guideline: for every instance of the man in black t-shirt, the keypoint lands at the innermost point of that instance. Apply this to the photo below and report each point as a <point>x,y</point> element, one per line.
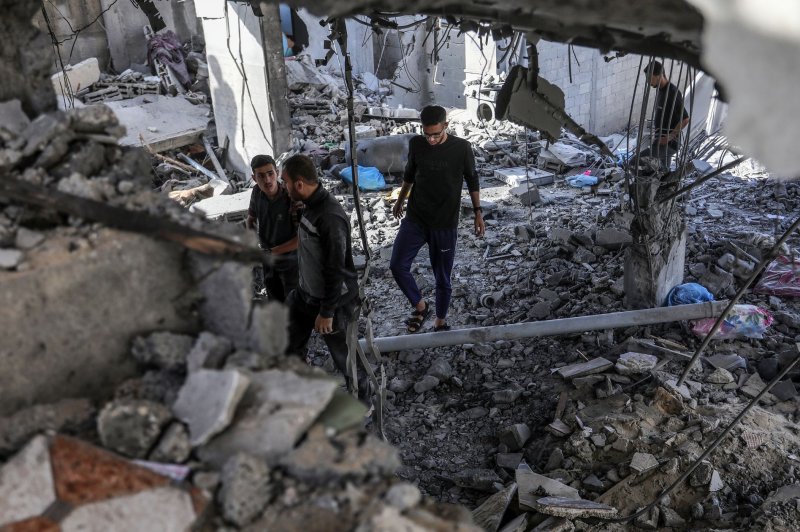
<point>273,214</point>
<point>669,117</point>
<point>438,164</point>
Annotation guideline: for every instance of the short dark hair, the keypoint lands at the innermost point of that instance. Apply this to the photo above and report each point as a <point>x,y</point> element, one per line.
<point>432,115</point>
<point>262,160</point>
<point>654,68</point>
<point>301,167</point>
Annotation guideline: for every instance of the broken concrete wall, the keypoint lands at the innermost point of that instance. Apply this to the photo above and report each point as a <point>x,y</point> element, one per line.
<point>65,17</point>
<point>241,103</point>
<point>69,317</point>
<point>24,68</point>
<point>359,43</point>
<point>125,24</point>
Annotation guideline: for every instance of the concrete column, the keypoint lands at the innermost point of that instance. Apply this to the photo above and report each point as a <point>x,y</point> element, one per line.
<point>276,76</point>
<point>654,262</point>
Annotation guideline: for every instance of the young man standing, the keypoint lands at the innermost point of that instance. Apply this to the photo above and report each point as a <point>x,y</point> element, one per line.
<point>438,164</point>
<point>325,298</point>
<point>670,115</point>
<point>274,216</point>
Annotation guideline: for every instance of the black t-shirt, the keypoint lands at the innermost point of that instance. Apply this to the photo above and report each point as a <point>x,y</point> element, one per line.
<point>275,218</point>
<point>438,173</point>
<point>669,110</point>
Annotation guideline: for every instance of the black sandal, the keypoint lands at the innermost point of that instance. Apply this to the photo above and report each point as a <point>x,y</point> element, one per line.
<point>417,319</point>
<point>442,327</point>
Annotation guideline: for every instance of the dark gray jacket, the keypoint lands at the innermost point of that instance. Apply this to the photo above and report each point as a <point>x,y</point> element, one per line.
<point>327,274</point>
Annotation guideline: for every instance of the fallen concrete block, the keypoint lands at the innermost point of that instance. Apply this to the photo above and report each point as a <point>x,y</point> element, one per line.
<point>643,462</point>
<point>12,118</point>
<point>530,483</point>
<point>519,176</point>
<point>527,195</point>
<point>208,352</point>
<point>131,427</point>
<point>27,487</point>
<point>173,447</point>
<point>164,350</point>
<point>477,479</point>
<point>633,363</point>
<point>611,238</point>
<point>207,402</point>
<point>245,489</point>
<point>515,436</point>
<point>490,514</point>
<point>76,77</point>
<point>597,365</point>
<point>276,411</point>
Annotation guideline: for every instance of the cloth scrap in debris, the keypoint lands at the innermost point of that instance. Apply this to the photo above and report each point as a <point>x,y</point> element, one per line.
<point>781,278</point>
<point>167,48</point>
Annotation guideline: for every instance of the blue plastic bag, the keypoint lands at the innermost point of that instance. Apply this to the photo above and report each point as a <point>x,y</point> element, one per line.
<point>369,177</point>
<point>582,180</point>
<point>688,293</point>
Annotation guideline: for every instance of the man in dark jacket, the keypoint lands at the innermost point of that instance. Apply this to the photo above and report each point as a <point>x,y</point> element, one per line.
<point>669,116</point>
<point>274,216</point>
<point>438,164</point>
<point>325,299</point>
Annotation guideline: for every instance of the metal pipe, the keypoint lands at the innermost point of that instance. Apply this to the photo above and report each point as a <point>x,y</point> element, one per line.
<point>491,299</point>
<point>709,309</point>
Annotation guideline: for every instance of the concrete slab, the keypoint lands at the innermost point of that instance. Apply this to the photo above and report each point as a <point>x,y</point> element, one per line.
<point>80,76</point>
<point>530,482</point>
<point>490,514</point>
<point>633,363</point>
<point>27,488</point>
<point>163,121</point>
<point>573,508</point>
<point>518,175</point>
<point>597,365</point>
<point>230,208</point>
<point>277,409</point>
<point>208,400</point>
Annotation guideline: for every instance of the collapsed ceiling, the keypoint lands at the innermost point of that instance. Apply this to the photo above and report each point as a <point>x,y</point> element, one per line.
<point>668,28</point>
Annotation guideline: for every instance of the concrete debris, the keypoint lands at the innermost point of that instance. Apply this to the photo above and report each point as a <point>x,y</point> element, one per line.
<point>573,508</point>
<point>10,258</point>
<point>597,365</point>
<point>245,488</point>
<point>67,415</point>
<point>208,401</point>
<point>490,514</point>
<point>403,496</point>
<point>515,436</point>
<point>720,376</point>
<point>643,462</point>
<point>23,500</point>
<point>174,446</point>
<point>209,351</point>
<point>533,486</point>
<point>635,363</point>
<point>132,427</point>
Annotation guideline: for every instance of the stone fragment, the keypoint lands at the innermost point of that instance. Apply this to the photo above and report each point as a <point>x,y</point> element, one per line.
<point>64,416</point>
<point>588,382</point>
<point>163,349</point>
<point>515,436</point>
<point>209,351</point>
<point>28,239</point>
<point>784,390</point>
<point>634,363</point>
<point>611,238</point>
<point>426,384</point>
<point>476,412</point>
<point>94,119</point>
<point>720,376</point>
<point>207,402</point>
<point>573,508</point>
<point>277,409</point>
<point>174,446</point>
<point>403,496</point>
<point>245,360</point>
<point>10,258</point>
<point>131,427</point>
<point>245,489</point>
<point>559,428</point>
<point>715,484</point>
<point>555,460</point>
<point>399,385</point>
<point>507,396</point>
<point>489,515</point>
<point>753,386</point>
<point>163,508</point>
<point>702,474</point>
<point>12,118</point>
<point>477,479</point>
<point>441,369</point>
<point>768,368</point>
<point>27,488</point>
<point>44,130</point>
<point>528,196</point>
<point>727,361</point>
<point>581,369</point>
<point>540,310</point>
<point>508,460</point>
<point>649,519</point>
<point>592,483</point>
<point>643,462</point>
<point>672,519</point>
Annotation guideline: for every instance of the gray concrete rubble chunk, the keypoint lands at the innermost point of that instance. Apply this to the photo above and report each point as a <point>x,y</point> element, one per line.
<point>27,488</point>
<point>245,488</point>
<point>672,519</point>
<point>426,384</point>
<point>596,365</point>
<point>611,238</point>
<point>164,508</point>
<point>403,496</point>
<point>515,436</point>
<point>649,519</point>
<point>95,119</point>
<point>573,508</point>
<point>174,446</point>
<point>477,479</point>
<point>753,386</point>
<point>715,484</point>
<point>78,185</point>
<point>490,514</point>
<point>720,376</point>
<point>13,118</point>
<point>163,349</point>
<point>784,390</point>
<point>10,258</point>
<point>441,369</point>
<point>207,402</point>
<point>209,351</point>
<point>632,363</point>
<point>531,484</point>
<point>702,474</point>
<point>642,462</point>
<point>728,361</point>
<point>508,460</point>
<point>28,239</point>
<point>43,130</point>
<point>67,414</point>
<point>276,411</point>
<point>131,427</point>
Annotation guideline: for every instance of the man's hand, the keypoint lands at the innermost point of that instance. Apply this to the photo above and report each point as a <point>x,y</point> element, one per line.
<point>323,325</point>
<point>663,140</point>
<point>480,227</point>
<point>397,210</point>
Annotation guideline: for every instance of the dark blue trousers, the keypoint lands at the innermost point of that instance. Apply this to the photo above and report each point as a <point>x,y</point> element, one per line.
<point>442,250</point>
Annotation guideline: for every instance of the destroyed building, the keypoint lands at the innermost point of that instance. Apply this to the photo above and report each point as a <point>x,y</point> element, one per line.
<point>624,337</point>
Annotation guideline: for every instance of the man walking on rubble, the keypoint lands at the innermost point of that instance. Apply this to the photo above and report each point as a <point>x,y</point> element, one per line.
<point>438,164</point>
<point>670,116</point>
<point>274,216</point>
<point>325,299</point>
